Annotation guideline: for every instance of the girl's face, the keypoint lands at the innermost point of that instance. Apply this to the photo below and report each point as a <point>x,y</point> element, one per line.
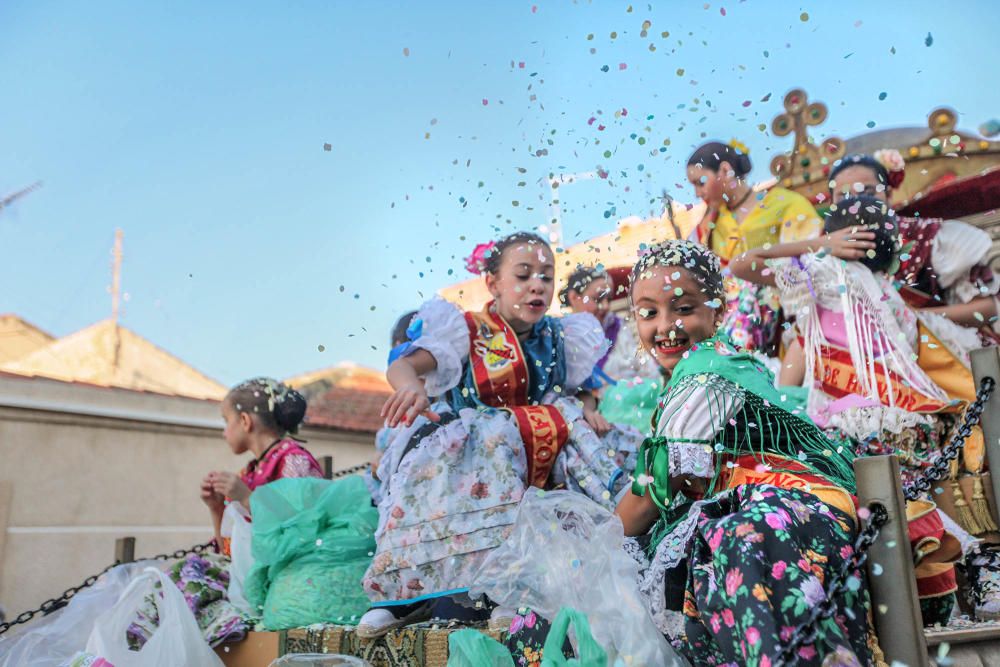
<point>237,430</point>
<point>595,299</point>
<point>523,284</point>
<point>672,313</point>
<point>858,180</point>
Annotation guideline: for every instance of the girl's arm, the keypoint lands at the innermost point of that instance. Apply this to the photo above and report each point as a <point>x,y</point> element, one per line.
<point>847,243</point>
<point>638,513</point>
<point>594,418</point>
<point>965,314</point>
<point>410,398</point>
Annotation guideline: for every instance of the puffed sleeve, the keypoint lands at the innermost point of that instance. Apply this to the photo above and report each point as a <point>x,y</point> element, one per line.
<point>584,343</point>
<point>807,280</point>
<point>690,418</point>
<point>957,247</point>
<point>799,220</point>
<point>445,335</point>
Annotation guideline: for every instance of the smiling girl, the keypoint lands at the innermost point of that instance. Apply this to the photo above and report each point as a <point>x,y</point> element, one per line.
<point>747,506</point>
<point>511,377</point>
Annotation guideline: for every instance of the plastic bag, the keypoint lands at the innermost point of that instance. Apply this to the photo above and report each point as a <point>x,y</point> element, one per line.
<point>177,640</point>
<point>567,551</point>
<point>312,542</point>
<point>589,651</point>
<point>54,640</point>
<point>471,648</point>
<point>236,526</point>
<point>318,660</point>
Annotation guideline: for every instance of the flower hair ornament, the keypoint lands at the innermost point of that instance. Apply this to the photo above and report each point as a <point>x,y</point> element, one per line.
<point>739,146</point>
<point>476,262</point>
<point>894,165</point>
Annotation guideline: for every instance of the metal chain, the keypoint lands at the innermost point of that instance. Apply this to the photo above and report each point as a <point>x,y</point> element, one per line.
<point>808,632</point>
<point>941,466</point>
<point>54,604</point>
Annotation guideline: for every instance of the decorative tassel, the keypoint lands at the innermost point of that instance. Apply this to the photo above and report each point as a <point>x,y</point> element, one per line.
<point>966,517</point>
<point>980,508</point>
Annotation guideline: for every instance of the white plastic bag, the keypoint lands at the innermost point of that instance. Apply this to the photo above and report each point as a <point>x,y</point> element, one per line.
<point>176,641</point>
<point>54,639</point>
<point>565,550</point>
<point>236,526</point>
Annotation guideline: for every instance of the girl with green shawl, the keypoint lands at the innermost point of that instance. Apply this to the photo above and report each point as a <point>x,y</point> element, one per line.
<point>746,506</point>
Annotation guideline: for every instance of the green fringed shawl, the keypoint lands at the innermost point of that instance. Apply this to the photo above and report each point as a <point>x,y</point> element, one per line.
<point>766,424</point>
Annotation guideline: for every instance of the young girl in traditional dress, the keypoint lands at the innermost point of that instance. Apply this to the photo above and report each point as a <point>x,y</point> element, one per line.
<point>738,218</point>
<point>511,377</point>
<point>865,352</point>
<point>945,268</point>
<point>261,417</point>
<point>750,505</point>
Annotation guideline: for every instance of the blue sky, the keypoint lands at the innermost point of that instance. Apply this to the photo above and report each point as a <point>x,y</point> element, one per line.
<point>199,128</point>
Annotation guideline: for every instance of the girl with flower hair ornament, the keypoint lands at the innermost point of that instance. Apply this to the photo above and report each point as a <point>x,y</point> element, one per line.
<point>745,506</point>
<point>944,264</point>
<point>736,219</point>
<point>517,417</point>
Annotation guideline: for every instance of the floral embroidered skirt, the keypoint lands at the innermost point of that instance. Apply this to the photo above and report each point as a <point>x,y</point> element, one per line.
<point>452,497</point>
<point>752,315</point>
<point>203,579</point>
<point>757,561</point>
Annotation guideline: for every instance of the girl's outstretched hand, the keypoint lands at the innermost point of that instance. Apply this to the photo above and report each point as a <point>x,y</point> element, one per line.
<point>229,485</point>
<point>851,243</point>
<point>406,403</point>
<point>596,421</point>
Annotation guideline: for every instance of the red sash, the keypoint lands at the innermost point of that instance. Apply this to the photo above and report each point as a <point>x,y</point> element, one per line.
<point>839,378</point>
<point>501,375</point>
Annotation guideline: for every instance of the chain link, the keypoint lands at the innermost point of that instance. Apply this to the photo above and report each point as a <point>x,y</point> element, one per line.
<point>808,632</point>
<point>57,603</point>
<point>54,604</point>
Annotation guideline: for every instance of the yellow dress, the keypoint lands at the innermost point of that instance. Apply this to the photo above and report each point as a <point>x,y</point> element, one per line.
<point>775,216</point>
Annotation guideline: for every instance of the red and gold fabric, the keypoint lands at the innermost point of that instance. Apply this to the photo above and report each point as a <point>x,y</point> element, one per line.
<point>500,370</point>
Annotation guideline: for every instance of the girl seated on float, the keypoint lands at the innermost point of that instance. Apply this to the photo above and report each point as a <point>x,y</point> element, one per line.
<point>751,507</point>
<point>864,354</point>
<point>945,264</point>
<point>516,417</point>
<point>261,417</point>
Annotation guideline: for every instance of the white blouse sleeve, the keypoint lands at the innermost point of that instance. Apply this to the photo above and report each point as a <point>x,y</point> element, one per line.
<point>690,419</point>
<point>957,247</point>
<point>584,343</point>
<point>445,335</point>
<point>812,279</point>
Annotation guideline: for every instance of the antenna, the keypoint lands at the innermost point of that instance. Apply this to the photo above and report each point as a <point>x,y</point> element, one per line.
<point>11,198</point>
<point>116,288</point>
<point>668,204</point>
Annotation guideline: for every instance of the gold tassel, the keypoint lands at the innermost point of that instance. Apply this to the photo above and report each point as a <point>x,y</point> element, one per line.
<point>966,518</point>
<point>980,508</point>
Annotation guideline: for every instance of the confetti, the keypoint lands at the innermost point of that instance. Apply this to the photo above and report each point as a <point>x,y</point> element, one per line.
<point>406,52</point>
<point>327,147</point>
<point>882,95</point>
<point>929,39</point>
<point>804,16</point>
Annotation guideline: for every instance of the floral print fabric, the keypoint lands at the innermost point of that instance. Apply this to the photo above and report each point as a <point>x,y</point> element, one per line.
<point>759,561</point>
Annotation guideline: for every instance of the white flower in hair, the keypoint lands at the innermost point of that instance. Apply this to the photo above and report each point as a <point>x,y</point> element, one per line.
<point>891,159</point>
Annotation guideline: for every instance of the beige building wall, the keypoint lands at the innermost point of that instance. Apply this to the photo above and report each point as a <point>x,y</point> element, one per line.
<point>81,465</point>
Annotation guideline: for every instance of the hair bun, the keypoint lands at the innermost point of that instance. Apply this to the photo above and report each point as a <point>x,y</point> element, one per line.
<point>289,410</point>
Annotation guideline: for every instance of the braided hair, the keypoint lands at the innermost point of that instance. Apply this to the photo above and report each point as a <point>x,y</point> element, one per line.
<point>278,407</point>
<point>711,155</point>
<point>703,265</point>
<point>580,280</point>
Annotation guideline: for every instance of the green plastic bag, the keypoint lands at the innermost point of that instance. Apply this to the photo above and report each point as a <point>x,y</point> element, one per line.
<point>590,652</point>
<point>312,542</point>
<point>471,648</point>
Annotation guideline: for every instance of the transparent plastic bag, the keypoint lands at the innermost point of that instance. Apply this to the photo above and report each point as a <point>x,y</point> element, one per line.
<point>318,660</point>
<point>236,526</point>
<point>471,648</point>
<point>567,551</point>
<point>55,639</point>
<point>176,641</point>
